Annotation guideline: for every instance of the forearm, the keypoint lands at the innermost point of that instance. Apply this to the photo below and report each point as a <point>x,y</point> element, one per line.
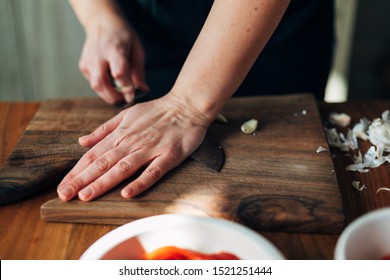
<point>91,13</point>
<point>232,38</point>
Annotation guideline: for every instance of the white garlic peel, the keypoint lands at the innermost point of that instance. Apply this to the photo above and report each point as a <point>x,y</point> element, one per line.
<point>379,131</point>
<point>356,185</point>
<point>382,189</point>
<point>249,126</point>
<point>321,149</point>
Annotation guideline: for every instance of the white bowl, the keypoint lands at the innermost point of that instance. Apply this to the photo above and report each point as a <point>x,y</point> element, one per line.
<point>202,234</point>
<point>366,238</point>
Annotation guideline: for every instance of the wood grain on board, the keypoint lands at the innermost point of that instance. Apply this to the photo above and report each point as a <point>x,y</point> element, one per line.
<point>272,180</point>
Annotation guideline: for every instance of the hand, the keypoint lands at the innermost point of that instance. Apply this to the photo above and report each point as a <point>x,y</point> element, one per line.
<point>112,60</point>
<point>158,134</point>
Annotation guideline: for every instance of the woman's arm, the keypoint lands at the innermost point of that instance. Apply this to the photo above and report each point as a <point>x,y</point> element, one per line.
<point>232,38</point>
<point>111,52</point>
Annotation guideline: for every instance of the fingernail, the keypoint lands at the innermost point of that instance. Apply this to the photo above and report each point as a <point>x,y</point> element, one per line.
<point>85,193</point>
<point>127,193</point>
<point>66,192</point>
<point>128,98</point>
<point>127,89</point>
<point>83,137</point>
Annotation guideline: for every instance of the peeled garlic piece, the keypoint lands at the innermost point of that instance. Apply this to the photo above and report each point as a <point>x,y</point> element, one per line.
<point>249,126</point>
<point>340,119</point>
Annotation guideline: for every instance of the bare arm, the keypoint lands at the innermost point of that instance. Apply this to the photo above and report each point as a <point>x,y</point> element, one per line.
<point>161,133</point>
<point>233,36</point>
<point>90,12</point>
<point>112,51</point>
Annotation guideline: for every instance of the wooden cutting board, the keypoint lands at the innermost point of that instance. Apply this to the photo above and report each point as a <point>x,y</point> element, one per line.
<point>272,180</point>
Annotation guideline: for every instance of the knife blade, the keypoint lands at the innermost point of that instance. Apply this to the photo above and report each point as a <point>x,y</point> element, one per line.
<point>210,155</point>
<point>139,96</point>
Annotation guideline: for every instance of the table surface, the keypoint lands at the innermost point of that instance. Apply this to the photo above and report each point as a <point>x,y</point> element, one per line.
<point>24,235</point>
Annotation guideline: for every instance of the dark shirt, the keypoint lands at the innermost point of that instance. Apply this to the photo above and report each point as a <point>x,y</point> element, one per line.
<point>296,59</point>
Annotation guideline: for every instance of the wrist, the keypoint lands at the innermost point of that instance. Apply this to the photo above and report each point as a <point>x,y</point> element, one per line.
<point>110,22</point>
<point>185,110</point>
<point>94,14</point>
<point>200,107</point>
<point>205,95</point>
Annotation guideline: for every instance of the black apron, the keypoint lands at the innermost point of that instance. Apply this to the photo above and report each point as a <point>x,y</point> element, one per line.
<point>296,59</point>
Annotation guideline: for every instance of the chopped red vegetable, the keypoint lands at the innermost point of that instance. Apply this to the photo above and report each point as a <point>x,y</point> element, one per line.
<point>175,253</point>
<point>387,257</point>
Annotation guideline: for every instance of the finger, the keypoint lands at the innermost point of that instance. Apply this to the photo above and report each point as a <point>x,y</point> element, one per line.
<point>83,63</point>
<point>100,82</point>
<point>69,189</point>
<point>128,91</point>
<point>84,69</point>
<point>93,154</point>
<point>107,139</point>
<point>109,142</point>
<point>122,170</point>
<point>154,172</point>
<point>101,132</point>
<point>120,71</point>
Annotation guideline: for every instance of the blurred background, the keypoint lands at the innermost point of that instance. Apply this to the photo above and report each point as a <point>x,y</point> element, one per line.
<point>41,42</point>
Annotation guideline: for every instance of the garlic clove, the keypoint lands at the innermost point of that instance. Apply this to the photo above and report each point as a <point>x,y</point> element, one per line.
<point>249,126</point>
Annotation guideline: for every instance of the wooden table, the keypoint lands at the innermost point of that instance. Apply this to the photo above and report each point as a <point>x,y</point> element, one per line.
<point>24,235</point>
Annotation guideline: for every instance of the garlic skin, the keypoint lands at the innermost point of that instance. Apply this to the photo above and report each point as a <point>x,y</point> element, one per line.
<point>379,131</point>
<point>369,160</point>
<point>336,139</point>
<point>382,189</point>
<point>250,126</point>
<point>356,185</point>
<point>321,149</point>
<point>360,129</point>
